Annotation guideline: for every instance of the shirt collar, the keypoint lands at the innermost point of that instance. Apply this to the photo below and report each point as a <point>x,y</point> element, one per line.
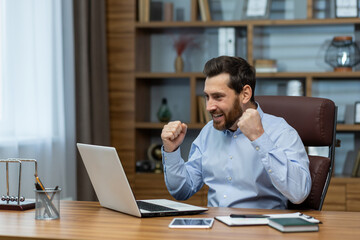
<point>260,110</point>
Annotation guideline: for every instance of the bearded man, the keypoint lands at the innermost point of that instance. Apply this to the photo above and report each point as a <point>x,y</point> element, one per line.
<point>247,158</point>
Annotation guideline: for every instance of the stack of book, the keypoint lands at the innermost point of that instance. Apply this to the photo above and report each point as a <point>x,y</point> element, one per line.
<point>265,65</point>
<point>203,115</point>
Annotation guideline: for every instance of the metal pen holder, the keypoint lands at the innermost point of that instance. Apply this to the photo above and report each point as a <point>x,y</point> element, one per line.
<point>9,202</point>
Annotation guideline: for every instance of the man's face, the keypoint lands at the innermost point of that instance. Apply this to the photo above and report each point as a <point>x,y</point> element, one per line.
<point>222,102</point>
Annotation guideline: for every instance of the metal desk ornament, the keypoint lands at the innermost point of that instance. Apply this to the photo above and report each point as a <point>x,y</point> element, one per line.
<point>11,202</point>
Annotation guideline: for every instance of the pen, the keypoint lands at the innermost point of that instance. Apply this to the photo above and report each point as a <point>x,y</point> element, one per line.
<point>53,195</point>
<point>46,206</point>
<point>247,216</point>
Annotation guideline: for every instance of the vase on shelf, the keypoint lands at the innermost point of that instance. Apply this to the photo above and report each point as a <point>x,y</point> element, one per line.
<point>164,114</point>
<point>179,64</point>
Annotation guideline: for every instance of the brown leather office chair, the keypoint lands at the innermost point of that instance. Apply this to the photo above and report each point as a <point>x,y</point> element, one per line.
<point>315,121</point>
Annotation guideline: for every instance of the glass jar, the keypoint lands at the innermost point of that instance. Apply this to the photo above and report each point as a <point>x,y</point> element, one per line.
<point>342,54</point>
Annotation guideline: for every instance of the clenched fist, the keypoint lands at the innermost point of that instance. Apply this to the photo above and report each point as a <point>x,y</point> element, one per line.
<point>173,135</point>
<point>250,124</point>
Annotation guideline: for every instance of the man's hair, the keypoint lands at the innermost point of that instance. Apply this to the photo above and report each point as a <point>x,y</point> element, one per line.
<point>240,71</point>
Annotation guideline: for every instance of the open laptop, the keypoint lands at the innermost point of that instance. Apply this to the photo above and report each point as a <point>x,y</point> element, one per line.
<point>113,190</point>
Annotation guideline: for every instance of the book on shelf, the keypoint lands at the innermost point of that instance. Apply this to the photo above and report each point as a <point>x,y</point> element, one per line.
<point>156,10</point>
<point>141,10</point>
<point>293,225</point>
<point>265,65</point>
<point>356,168</point>
<point>168,12</point>
<point>203,115</point>
<point>144,10</point>
<point>200,109</point>
<point>204,10</point>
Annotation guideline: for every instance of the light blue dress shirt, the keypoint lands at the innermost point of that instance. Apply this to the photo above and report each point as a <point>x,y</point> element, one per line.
<point>264,173</point>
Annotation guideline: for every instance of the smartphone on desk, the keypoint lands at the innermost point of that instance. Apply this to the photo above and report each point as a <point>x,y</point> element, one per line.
<point>191,223</point>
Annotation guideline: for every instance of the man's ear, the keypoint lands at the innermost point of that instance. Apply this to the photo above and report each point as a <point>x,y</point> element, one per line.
<point>246,94</point>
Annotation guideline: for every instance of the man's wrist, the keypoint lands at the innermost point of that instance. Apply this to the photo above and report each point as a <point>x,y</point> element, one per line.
<point>169,151</point>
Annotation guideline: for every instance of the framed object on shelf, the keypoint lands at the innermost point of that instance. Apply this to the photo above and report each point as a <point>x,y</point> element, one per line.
<point>257,9</point>
<point>346,8</point>
<point>357,113</point>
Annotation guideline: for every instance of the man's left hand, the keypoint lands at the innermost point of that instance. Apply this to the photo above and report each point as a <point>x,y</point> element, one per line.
<point>250,124</point>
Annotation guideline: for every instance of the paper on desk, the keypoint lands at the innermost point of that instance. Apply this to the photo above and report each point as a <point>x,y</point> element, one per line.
<point>262,221</point>
<point>242,221</point>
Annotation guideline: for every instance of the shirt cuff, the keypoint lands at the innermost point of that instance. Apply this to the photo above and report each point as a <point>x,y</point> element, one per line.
<point>170,158</point>
<point>263,145</point>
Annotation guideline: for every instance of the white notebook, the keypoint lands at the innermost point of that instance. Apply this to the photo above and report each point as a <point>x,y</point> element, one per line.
<point>230,221</point>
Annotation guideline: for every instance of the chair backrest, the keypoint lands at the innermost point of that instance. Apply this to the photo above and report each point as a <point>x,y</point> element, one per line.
<point>315,121</point>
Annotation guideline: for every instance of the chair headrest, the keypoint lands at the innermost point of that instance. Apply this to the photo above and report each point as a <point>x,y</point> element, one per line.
<point>313,118</point>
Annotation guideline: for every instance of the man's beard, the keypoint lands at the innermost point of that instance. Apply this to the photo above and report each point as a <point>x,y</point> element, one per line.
<point>230,118</point>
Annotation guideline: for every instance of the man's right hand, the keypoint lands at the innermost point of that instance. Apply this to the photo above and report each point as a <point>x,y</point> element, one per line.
<point>173,135</point>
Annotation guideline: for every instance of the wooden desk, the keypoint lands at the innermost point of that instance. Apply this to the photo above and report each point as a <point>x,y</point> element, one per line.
<point>87,220</point>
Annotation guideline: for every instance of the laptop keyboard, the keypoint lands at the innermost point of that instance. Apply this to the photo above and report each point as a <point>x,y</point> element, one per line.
<point>152,207</point>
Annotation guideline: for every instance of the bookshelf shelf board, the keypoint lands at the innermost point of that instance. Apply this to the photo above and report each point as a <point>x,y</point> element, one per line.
<point>329,21</point>
<point>340,179</point>
<point>168,75</point>
<point>153,125</point>
<point>245,23</point>
<point>259,75</point>
<point>348,127</point>
<point>149,125</point>
<point>190,24</point>
<point>310,74</point>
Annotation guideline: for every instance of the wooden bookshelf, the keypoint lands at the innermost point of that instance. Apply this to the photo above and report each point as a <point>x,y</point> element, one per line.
<point>131,80</point>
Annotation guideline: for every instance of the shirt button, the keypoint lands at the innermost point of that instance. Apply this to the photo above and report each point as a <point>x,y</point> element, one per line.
<point>257,148</point>
<point>230,157</point>
<point>225,196</point>
<point>229,178</point>
<point>235,136</point>
<point>270,171</point>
